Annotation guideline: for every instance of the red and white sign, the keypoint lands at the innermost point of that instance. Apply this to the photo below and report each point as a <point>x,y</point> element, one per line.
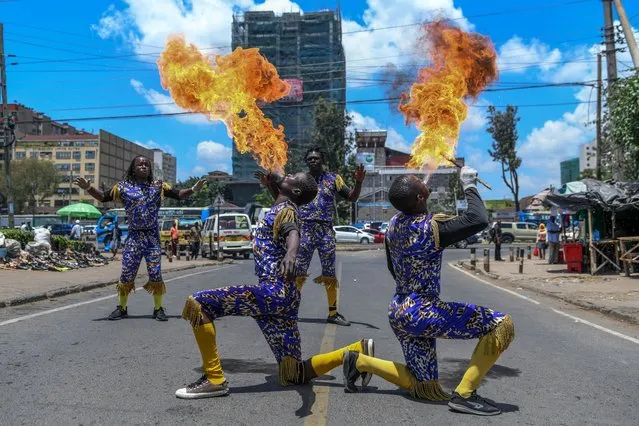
<point>296,94</point>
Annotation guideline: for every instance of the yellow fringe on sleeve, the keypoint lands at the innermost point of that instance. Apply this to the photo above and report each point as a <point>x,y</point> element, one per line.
<point>286,215</point>
<point>124,289</point>
<point>499,339</point>
<point>165,187</point>
<point>115,192</point>
<point>339,183</point>
<point>434,225</point>
<point>327,281</point>
<point>289,371</point>
<point>430,390</point>
<point>192,312</point>
<point>155,287</point>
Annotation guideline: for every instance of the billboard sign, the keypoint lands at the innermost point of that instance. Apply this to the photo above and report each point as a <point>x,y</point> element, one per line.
<point>367,159</point>
<point>296,94</point>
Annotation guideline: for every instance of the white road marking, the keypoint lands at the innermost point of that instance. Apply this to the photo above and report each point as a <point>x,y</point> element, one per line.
<point>514,293</point>
<point>598,327</point>
<point>99,299</point>
<point>572,317</point>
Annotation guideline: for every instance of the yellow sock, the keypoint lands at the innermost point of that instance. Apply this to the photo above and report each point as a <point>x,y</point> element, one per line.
<point>331,295</point>
<point>324,363</point>
<point>157,301</point>
<point>205,338</point>
<point>123,299</point>
<point>390,371</point>
<point>486,353</point>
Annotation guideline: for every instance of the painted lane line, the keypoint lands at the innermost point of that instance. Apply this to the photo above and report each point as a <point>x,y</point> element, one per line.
<point>319,416</point>
<point>99,299</point>
<point>514,293</point>
<point>598,327</point>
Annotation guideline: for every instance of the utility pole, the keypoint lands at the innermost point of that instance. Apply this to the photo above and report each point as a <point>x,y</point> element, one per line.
<point>609,34</point>
<point>599,149</point>
<point>627,31</point>
<point>6,142</point>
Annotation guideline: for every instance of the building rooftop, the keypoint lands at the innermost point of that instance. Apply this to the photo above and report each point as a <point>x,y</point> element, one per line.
<point>79,136</point>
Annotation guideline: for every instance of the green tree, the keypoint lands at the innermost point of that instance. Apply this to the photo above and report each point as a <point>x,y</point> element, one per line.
<point>620,152</point>
<point>503,128</point>
<point>330,134</point>
<point>33,181</point>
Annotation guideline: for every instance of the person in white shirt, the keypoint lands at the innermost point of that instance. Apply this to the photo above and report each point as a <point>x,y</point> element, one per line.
<point>76,231</point>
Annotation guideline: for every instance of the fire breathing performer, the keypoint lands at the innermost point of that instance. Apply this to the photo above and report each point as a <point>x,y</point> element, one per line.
<point>317,228</point>
<point>273,303</point>
<point>141,196</point>
<point>414,244</point>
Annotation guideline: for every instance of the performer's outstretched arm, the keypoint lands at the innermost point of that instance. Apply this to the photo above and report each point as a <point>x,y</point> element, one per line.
<point>182,194</point>
<point>352,194</point>
<point>472,221</point>
<point>96,193</point>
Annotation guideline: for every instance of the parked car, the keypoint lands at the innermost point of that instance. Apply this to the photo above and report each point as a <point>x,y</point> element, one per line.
<point>518,231</point>
<point>236,236</point>
<point>377,235</point>
<point>350,234</point>
<point>376,225</point>
<point>63,229</point>
<point>88,229</point>
<point>473,239</point>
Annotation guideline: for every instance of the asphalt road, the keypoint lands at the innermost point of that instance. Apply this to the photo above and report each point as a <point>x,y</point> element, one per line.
<point>61,363</point>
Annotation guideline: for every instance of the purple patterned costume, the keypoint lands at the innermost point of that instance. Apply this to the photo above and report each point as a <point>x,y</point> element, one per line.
<point>416,314</point>
<point>142,203</point>
<point>274,302</point>
<point>317,228</point>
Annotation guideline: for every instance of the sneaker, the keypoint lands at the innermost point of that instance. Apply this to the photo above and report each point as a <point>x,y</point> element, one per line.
<point>338,319</point>
<point>202,388</point>
<point>119,313</point>
<point>351,374</point>
<point>368,346</point>
<point>159,314</point>
<point>474,404</point>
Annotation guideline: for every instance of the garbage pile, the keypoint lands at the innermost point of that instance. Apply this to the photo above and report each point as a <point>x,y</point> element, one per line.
<point>38,255</point>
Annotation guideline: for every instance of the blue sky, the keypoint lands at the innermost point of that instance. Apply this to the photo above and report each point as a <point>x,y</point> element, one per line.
<point>555,44</point>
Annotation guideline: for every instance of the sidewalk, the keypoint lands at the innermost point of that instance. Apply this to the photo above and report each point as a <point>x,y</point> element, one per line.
<point>20,286</point>
<point>613,295</point>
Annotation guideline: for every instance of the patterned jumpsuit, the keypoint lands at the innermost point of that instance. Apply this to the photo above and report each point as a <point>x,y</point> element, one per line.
<point>273,303</point>
<point>142,204</point>
<point>317,229</point>
<point>416,314</point>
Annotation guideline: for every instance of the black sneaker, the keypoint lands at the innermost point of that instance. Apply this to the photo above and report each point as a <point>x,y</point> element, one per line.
<point>368,348</point>
<point>338,319</point>
<point>351,374</point>
<point>159,314</point>
<point>119,313</point>
<point>474,404</point>
<point>202,388</point>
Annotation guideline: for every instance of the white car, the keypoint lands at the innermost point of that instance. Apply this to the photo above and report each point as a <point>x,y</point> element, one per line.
<point>350,234</point>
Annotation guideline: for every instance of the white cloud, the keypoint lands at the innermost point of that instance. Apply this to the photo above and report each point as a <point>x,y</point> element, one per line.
<point>199,171</point>
<point>476,119</point>
<point>517,56</point>
<point>394,140</point>
<point>213,152</point>
<point>164,104</point>
<point>480,160</point>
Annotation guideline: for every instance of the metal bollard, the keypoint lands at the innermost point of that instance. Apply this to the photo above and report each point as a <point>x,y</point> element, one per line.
<point>512,254</point>
<point>487,260</point>
<point>167,250</point>
<point>522,253</point>
<point>521,265</point>
<point>529,253</point>
<point>473,258</point>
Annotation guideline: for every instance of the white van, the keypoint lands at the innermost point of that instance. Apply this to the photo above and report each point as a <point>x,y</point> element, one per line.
<point>235,235</point>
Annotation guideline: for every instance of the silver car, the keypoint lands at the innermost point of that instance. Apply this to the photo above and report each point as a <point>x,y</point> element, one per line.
<point>350,234</point>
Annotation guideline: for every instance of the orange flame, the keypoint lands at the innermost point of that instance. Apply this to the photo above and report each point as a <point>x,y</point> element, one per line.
<point>229,91</point>
<point>463,64</point>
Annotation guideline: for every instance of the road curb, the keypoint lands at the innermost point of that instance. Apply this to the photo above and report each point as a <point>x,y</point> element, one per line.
<point>620,316</point>
<point>363,247</point>
<point>80,288</point>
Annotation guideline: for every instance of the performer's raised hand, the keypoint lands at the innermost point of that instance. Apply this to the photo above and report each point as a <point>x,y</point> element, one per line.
<point>359,174</point>
<point>262,177</point>
<point>200,183</point>
<point>468,177</point>
<point>82,183</point>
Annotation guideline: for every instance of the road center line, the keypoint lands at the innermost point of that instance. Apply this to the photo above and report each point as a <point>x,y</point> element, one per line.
<point>598,327</point>
<point>319,416</point>
<point>514,293</point>
<point>99,299</point>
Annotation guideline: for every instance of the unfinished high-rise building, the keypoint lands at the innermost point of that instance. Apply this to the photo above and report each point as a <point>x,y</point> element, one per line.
<point>307,51</point>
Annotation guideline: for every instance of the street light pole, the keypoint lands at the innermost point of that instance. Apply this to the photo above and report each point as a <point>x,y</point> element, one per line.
<point>219,237</point>
<point>6,142</point>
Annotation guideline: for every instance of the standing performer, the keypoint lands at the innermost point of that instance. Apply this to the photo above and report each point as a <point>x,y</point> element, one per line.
<point>317,228</point>
<point>141,196</point>
<point>414,244</point>
<point>273,303</point>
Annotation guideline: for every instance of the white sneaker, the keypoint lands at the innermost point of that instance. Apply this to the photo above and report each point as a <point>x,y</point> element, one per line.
<point>202,388</point>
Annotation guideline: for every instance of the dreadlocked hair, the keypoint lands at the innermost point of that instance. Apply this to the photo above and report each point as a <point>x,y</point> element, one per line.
<point>403,193</point>
<point>309,189</point>
<point>314,149</point>
<point>130,173</point>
